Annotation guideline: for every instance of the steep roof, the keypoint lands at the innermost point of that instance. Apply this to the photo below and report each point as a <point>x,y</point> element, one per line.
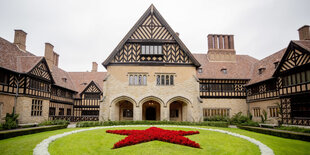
<point>82,79</point>
<point>303,43</point>
<point>15,59</point>
<point>268,64</point>
<point>241,69</point>
<point>26,63</point>
<point>150,10</point>
<point>62,78</point>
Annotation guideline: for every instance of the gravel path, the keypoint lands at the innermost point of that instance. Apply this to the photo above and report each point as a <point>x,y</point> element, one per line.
<point>42,148</point>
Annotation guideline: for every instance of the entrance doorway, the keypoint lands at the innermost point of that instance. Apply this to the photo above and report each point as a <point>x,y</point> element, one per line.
<point>151,111</point>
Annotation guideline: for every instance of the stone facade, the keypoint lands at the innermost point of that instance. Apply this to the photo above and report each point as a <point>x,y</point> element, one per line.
<point>24,105</point>
<point>7,104</point>
<point>185,89</point>
<point>234,105</point>
<point>263,105</point>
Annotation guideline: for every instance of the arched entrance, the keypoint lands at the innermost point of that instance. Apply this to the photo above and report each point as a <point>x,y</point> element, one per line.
<point>124,110</point>
<point>178,111</point>
<point>151,110</point>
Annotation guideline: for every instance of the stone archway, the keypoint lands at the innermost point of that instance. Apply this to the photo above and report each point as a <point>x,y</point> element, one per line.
<point>178,111</point>
<point>178,108</point>
<point>125,111</point>
<point>122,108</point>
<point>151,110</point>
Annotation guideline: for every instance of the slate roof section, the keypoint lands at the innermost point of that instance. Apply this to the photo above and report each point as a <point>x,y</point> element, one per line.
<point>82,79</point>
<point>241,69</point>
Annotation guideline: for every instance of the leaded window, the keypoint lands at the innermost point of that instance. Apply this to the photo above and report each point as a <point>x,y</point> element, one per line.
<point>36,107</point>
<point>209,112</point>
<point>151,50</point>
<point>137,79</point>
<point>165,79</point>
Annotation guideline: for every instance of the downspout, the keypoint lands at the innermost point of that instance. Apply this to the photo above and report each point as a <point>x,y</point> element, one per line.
<point>16,94</point>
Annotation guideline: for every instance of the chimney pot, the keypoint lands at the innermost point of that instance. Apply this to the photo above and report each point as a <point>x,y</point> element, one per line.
<point>304,33</point>
<point>20,39</point>
<point>178,34</point>
<point>94,67</point>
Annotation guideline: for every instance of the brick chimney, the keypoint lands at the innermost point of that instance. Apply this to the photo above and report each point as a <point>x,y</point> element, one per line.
<point>51,57</point>
<point>20,39</point>
<point>221,48</point>
<point>94,67</point>
<point>304,33</point>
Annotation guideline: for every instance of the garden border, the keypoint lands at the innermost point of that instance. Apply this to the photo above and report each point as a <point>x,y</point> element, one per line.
<point>42,148</point>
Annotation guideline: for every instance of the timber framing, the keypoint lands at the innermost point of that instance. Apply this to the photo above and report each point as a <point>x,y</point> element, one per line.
<point>138,32</point>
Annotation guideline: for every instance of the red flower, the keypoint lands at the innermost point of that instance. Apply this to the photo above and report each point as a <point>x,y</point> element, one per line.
<point>154,133</point>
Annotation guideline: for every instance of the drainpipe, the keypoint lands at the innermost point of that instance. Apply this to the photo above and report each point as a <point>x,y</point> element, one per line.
<point>16,94</point>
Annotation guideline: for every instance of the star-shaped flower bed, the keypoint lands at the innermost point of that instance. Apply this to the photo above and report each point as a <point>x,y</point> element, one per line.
<point>154,133</point>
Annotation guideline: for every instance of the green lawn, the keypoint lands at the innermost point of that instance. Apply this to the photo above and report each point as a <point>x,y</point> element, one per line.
<point>99,142</point>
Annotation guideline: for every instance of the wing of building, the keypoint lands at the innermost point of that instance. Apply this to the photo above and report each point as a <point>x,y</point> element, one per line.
<point>152,75</point>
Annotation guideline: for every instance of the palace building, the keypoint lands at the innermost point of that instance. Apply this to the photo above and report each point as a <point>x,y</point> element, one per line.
<point>152,75</point>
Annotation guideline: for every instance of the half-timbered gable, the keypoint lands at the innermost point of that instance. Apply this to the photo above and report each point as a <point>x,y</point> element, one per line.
<point>89,86</point>
<point>41,71</point>
<point>294,69</point>
<point>151,40</point>
<point>296,56</point>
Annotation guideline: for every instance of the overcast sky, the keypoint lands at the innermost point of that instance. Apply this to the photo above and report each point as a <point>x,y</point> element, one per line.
<point>83,31</point>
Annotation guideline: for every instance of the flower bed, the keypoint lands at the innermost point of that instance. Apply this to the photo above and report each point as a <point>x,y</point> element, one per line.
<point>154,133</point>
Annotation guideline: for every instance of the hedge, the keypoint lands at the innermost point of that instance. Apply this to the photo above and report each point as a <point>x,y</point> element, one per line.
<point>19,132</point>
<point>278,133</point>
<point>113,123</point>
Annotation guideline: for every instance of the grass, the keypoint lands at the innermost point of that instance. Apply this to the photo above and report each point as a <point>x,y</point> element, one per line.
<point>99,142</point>
<point>102,142</point>
<point>23,145</point>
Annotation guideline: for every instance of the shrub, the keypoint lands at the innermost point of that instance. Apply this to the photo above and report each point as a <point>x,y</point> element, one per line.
<point>113,123</point>
<point>20,132</point>
<point>296,129</point>
<point>264,116</point>
<point>278,133</point>
<point>10,121</point>
<point>250,123</point>
<point>55,122</point>
<point>238,118</point>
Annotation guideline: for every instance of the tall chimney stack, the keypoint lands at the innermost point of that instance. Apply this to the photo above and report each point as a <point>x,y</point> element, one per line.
<point>51,57</point>
<point>304,33</point>
<point>94,67</point>
<point>20,39</point>
<point>221,48</point>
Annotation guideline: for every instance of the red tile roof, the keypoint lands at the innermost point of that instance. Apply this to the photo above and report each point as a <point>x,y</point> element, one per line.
<point>268,64</point>
<point>82,79</point>
<point>241,69</point>
<point>62,78</point>
<point>303,43</point>
<point>15,59</point>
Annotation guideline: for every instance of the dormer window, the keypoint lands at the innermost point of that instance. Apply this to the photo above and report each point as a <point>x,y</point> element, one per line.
<point>64,79</point>
<point>199,70</point>
<point>224,70</point>
<point>276,64</point>
<point>261,70</point>
<point>151,50</point>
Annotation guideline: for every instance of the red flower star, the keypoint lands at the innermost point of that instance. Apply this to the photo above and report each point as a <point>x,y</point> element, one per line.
<point>154,133</point>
